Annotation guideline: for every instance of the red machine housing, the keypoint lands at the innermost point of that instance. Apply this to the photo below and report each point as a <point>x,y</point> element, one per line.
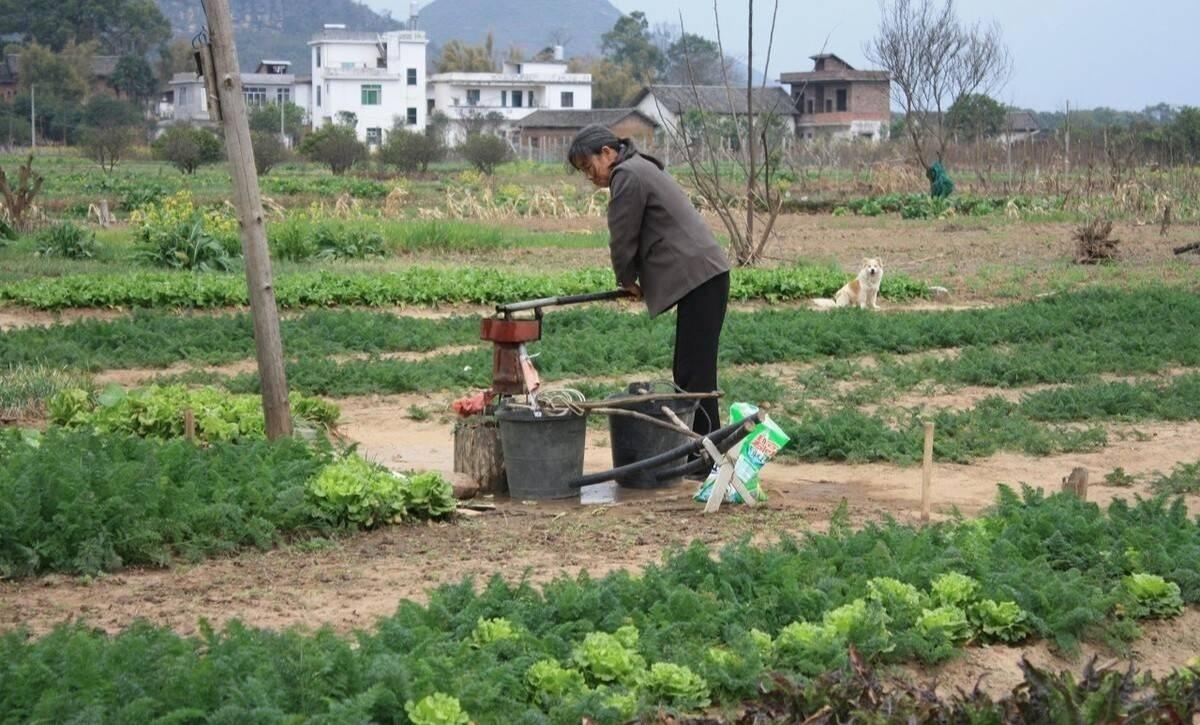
<point>507,334</point>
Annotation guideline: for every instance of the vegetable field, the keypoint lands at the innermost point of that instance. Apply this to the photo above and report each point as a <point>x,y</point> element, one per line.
<point>161,561</point>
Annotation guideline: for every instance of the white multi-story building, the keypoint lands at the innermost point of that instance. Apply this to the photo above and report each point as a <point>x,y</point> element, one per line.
<point>378,77</point>
<point>272,82</point>
<point>517,91</point>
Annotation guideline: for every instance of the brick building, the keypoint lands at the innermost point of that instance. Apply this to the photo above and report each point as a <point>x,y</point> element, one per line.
<point>834,100</point>
<point>545,134</point>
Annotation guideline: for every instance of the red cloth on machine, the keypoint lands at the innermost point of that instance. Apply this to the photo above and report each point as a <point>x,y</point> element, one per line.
<point>470,405</point>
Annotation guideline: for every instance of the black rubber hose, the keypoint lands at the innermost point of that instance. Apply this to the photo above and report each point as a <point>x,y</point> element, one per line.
<point>653,461</point>
<point>700,464</point>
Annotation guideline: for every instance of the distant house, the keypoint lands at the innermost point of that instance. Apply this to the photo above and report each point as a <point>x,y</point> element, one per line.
<point>667,104</point>
<point>379,77</point>
<point>834,100</point>
<point>519,90</point>
<point>545,135</point>
<point>1019,126</point>
<point>271,82</point>
<point>10,79</point>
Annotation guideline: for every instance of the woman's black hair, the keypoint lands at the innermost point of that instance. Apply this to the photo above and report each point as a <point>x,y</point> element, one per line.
<point>591,140</point>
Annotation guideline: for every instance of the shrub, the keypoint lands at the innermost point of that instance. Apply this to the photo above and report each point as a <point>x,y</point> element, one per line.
<point>336,146</point>
<point>485,152</point>
<point>68,241</point>
<point>269,151</point>
<point>176,233</point>
<point>110,128</point>
<point>187,148</point>
<point>304,236</point>
<point>410,151</point>
<point>353,491</point>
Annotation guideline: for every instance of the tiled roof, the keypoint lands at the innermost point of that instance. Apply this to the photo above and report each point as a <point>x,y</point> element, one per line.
<point>718,99</point>
<point>578,118</point>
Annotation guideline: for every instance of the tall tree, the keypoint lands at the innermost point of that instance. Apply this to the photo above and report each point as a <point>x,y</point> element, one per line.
<point>175,57</point>
<point>629,43</point>
<point>134,78</point>
<point>975,116</point>
<point>458,57</point>
<point>54,76</point>
<point>695,59</point>
<point>119,26</point>
<point>935,59</point>
<point>613,84</point>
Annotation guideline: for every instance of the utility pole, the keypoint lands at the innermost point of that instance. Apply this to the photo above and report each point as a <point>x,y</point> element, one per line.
<point>228,105</point>
<point>32,116</point>
<point>282,132</point>
<point>1068,137</point>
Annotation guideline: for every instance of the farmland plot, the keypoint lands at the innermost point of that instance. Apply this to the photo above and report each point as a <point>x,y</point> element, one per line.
<point>1032,368</point>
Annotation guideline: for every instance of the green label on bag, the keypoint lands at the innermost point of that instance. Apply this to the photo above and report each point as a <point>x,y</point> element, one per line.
<point>756,450</point>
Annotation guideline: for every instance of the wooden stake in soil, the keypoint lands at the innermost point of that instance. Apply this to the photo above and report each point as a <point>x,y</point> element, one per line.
<point>927,473</point>
<point>189,424</point>
<point>230,109</point>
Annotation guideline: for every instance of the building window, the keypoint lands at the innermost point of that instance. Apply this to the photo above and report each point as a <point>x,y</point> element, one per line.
<point>283,95</point>
<point>472,96</point>
<point>810,105</point>
<point>411,118</point>
<point>318,95</point>
<point>429,106</point>
<point>503,98</point>
<point>255,95</point>
<point>568,99</point>
<point>828,105</point>
<point>371,94</point>
<point>381,61</point>
<point>318,56</point>
<point>412,76</point>
<point>519,67</point>
<point>517,98</point>
<point>841,99</point>
<point>347,65</point>
<point>374,136</point>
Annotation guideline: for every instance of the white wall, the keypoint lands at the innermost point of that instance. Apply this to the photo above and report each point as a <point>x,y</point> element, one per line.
<point>346,66</point>
<point>448,91</point>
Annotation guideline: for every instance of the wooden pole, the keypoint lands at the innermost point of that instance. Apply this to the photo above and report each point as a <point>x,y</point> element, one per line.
<point>189,424</point>
<point>230,105</point>
<point>927,473</point>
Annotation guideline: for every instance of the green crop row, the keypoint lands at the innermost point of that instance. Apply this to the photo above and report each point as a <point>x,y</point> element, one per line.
<point>83,502</point>
<point>159,339</point>
<point>699,628</point>
<point>1105,330</point>
<point>158,412</point>
<point>923,206</point>
<point>410,286</point>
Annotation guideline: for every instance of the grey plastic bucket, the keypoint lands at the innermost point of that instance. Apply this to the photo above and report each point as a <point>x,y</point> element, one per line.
<point>541,454</point>
<point>636,440</point>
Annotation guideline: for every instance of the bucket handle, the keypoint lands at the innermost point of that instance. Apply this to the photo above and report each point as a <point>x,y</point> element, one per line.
<point>675,388</point>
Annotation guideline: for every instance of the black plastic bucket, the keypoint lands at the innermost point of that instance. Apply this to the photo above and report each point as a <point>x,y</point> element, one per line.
<point>541,454</point>
<point>636,440</point>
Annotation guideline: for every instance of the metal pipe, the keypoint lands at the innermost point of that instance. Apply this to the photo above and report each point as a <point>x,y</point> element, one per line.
<point>562,300</point>
<point>686,449</point>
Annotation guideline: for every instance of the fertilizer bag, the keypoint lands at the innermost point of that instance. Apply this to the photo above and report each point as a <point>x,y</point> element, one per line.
<point>754,452</point>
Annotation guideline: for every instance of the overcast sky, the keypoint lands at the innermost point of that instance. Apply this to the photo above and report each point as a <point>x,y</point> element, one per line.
<point>1115,53</point>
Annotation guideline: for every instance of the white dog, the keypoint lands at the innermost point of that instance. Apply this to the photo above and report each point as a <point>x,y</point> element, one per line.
<point>863,290</point>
